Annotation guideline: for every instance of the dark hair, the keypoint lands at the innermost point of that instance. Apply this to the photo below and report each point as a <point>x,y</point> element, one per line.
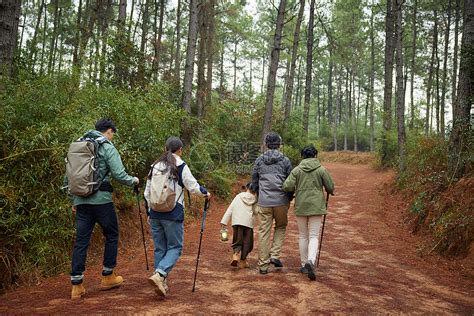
<point>273,140</point>
<point>309,152</point>
<point>104,124</point>
<point>249,186</point>
<point>173,144</point>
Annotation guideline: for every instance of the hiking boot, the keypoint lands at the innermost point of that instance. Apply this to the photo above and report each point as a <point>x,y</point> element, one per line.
<point>110,281</point>
<point>303,270</point>
<point>159,283</point>
<point>235,259</point>
<point>77,291</point>
<point>310,269</point>
<point>263,271</point>
<point>165,285</point>
<point>243,264</point>
<point>276,262</point>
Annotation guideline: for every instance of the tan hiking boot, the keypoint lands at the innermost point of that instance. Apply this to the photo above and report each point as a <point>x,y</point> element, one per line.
<point>243,264</point>
<point>159,283</point>
<point>235,259</point>
<point>110,281</point>
<point>77,291</point>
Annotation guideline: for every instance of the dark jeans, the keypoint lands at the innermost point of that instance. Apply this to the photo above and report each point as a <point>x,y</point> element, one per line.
<point>86,217</point>
<point>242,240</point>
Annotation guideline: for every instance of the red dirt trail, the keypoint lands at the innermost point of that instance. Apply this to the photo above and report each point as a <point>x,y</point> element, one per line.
<point>368,265</point>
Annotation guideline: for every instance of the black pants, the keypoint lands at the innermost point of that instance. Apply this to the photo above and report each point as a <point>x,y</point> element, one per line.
<point>242,240</point>
<point>86,217</point>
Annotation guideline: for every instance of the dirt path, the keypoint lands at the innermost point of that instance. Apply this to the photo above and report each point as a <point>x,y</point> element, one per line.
<point>366,267</point>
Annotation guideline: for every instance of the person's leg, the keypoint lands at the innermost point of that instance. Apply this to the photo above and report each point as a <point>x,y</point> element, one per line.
<point>174,232</point>
<point>314,224</point>
<point>237,238</point>
<point>84,225</point>
<point>265,215</point>
<point>247,239</point>
<point>159,241</point>
<point>107,218</point>
<point>302,222</point>
<point>280,213</point>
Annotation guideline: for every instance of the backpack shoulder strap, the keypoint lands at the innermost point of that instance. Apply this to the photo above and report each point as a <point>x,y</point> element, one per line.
<point>181,183</point>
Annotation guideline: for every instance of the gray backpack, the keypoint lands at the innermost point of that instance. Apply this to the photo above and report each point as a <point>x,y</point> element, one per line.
<point>82,166</point>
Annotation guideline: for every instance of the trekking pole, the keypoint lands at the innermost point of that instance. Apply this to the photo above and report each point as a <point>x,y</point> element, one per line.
<point>137,192</point>
<point>322,231</point>
<point>206,206</point>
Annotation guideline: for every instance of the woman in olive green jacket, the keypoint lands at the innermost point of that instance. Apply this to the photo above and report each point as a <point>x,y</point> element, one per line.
<point>307,181</point>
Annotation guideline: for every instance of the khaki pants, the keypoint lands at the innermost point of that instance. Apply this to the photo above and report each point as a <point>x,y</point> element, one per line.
<point>271,249</point>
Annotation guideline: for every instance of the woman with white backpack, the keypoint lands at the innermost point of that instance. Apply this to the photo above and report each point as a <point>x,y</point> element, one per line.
<point>164,193</point>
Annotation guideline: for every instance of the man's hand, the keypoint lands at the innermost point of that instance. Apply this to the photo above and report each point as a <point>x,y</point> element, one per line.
<point>74,209</point>
<point>136,181</point>
<point>208,196</point>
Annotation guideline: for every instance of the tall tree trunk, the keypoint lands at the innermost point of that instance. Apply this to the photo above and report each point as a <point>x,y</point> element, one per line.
<point>234,65</point>
<point>445,69</point>
<point>294,53</point>
<point>221,69</point>
<point>372,81</point>
<point>130,23</point>
<point>459,146</point>
<point>262,84</point>
<point>177,55</point>
<point>157,40</point>
<point>400,100</point>
<point>455,52</point>
<point>43,45</point>
<point>77,36</point>
<point>201,60</point>
<point>54,36</point>
<point>33,48</point>
<point>438,97</point>
<point>211,33</point>
<point>338,106</point>
<point>346,109</point>
<point>143,42</point>
<point>121,41</point>
<point>272,70</point>
<point>388,77</point>
<point>413,58</point>
<point>285,83</point>
<point>309,69</point>
<point>86,33</point>
<point>9,19</point>
<point>190,51</point>
<point>429,88</point>
<point>107,13</point>
<point>330,107</point>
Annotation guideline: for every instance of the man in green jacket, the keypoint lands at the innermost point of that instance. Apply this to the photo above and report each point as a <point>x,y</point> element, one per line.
<point>99,208</point>
<point>307,181</point>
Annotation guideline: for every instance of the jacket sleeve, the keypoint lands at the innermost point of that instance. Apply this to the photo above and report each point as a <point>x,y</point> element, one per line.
<point>228,214</point>
<point>191,183</point>
<point>327,181</point>
<point>290,183</point>
<point>255,175</point>
<point>117,170</point>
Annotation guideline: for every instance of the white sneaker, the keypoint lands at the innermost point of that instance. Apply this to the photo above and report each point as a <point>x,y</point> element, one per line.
<point>159,283</point>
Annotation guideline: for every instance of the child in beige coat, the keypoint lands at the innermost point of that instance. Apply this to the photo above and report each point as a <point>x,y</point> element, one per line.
<point>242,211</point>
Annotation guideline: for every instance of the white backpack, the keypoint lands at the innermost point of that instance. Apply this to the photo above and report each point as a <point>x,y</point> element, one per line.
<point>162,196</point>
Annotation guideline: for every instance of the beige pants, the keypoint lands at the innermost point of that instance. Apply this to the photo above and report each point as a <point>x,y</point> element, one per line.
<point>271,249</point>
<point>308,227</point>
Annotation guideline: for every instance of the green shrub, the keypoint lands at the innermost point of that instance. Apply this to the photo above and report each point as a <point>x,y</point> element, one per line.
<point>40,118</point>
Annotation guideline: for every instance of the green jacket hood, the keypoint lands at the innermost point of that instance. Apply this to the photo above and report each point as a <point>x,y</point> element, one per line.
<point>93,134</point>
<point>309,164</point>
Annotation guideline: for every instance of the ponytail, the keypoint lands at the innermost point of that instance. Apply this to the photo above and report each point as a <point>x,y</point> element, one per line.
<point>173,144</point>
